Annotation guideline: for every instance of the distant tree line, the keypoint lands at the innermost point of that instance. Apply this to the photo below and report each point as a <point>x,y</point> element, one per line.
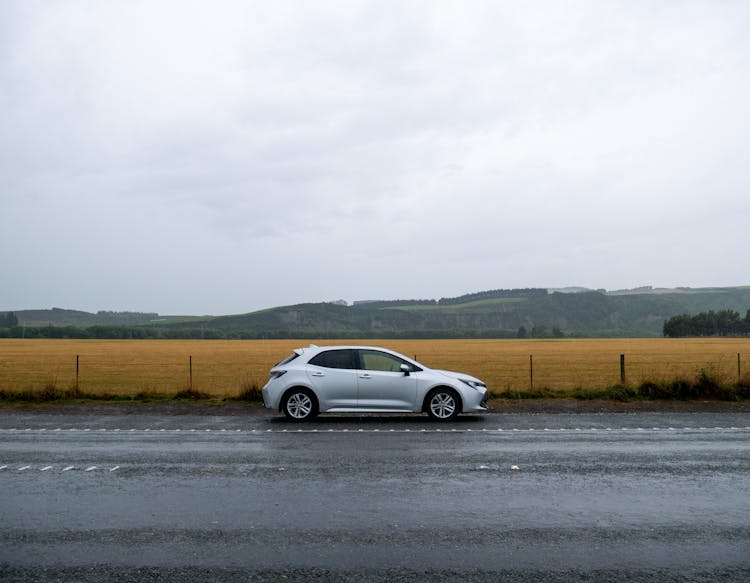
<point>721,323</point>
<point>540,332</point>
<point>164,333</point>
<point>493,294</point>
<point>377,304</point>
<point>100,332</point>
<point>152,315</point>
<point>464,299</point>
<point>8,320</point>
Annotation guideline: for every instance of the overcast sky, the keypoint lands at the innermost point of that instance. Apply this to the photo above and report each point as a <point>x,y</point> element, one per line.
<point>221,157</point>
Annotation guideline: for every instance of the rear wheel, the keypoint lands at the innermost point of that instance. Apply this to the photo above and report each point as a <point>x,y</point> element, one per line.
<point>300,405</point>
<point>443,405</point>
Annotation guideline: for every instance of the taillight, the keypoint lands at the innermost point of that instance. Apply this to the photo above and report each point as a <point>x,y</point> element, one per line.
<point>277,373</point>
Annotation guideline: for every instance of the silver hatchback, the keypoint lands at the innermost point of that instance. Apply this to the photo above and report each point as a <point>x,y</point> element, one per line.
<point>368,379</point>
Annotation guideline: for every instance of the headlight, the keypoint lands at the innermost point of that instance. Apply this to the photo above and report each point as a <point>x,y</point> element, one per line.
<point>474,384</point>
<point>277,373</point>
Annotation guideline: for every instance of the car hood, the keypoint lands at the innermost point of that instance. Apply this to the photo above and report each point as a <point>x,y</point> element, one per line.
<point>459,375</point>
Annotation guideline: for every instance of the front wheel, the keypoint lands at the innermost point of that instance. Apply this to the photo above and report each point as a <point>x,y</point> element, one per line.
<point>443,405</point>
<point>300,405</point>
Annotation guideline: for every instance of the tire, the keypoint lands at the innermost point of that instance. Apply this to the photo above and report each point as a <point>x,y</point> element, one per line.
<point>443,404</point>
<point>300,405</point>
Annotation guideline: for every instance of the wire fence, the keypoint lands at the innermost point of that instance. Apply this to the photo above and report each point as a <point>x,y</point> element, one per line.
<point>561,372</point>
<point>557,371</point>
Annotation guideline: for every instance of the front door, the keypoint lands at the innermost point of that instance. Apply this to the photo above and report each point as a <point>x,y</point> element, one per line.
<point>382,385</point>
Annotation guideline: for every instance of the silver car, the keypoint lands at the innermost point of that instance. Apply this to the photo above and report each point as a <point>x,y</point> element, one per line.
<point>367,379</point>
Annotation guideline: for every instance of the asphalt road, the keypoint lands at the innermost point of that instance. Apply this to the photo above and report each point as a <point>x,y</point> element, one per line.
<point>590,497</point>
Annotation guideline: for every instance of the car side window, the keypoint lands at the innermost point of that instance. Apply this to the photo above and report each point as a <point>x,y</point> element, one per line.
<point>334,359</point>
<point>382,361</point>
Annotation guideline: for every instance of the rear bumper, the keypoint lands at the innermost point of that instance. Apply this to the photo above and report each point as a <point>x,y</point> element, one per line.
<point>267,402</point>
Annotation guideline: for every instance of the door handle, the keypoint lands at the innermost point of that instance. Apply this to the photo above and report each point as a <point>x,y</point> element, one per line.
<point>318,374</point>
<point>365,376</point>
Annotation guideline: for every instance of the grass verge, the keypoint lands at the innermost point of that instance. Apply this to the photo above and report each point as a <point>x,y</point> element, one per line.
<point>705,386</point>
<point>51,393</point>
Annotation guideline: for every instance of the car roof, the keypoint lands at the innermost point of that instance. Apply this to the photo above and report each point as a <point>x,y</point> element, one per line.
<point>313,349</point>
<point>317,348</point>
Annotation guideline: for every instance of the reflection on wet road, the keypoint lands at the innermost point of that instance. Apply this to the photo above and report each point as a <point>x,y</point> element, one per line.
<point>521,496</point>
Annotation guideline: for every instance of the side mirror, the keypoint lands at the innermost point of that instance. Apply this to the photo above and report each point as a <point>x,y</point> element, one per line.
<point>406,369</point>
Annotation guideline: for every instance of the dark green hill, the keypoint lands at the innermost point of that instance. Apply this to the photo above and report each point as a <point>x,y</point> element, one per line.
<point>60,317</point>
<point>487,314</point>
<point>494,313</point>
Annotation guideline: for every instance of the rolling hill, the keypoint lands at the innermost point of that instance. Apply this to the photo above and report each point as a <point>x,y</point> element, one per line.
<point>489,314</point>
<point>493,313</point>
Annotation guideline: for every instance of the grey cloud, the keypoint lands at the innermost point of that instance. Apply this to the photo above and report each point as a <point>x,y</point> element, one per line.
<point>506,145</point>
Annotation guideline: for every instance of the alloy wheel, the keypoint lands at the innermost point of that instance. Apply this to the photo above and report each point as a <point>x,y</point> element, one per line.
<point>299,405</point>
<point>443,405</point>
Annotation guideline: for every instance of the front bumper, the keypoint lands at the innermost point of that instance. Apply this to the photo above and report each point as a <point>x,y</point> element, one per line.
<point>476,403</point>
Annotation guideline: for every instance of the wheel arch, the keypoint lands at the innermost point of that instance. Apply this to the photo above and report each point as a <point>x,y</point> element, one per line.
<point>452,390</point>
<point>306,388</point>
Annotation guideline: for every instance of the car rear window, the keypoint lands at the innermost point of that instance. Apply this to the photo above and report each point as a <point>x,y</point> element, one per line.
<point>287,360</point>
<point>342,358</point>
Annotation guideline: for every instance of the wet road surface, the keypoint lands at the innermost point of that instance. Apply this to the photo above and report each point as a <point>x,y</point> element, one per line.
<point>648,496</point>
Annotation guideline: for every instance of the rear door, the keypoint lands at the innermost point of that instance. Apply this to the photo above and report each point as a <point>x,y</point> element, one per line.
<point>382,385</point>
<point>333,375</point>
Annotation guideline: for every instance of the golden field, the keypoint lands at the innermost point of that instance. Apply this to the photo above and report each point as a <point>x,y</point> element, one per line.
<point>225,368</point>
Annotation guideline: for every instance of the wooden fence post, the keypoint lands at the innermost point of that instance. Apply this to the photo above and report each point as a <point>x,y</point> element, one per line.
<point>531,372</point>
<point>76,371</point>
<point>739,367</point>
<point>622,369</point>
<point>190,365</point>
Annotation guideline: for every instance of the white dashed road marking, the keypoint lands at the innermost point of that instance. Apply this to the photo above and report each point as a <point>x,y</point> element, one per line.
<point>61,469</point>
<point>516,431</point>
<point>387,431</point>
